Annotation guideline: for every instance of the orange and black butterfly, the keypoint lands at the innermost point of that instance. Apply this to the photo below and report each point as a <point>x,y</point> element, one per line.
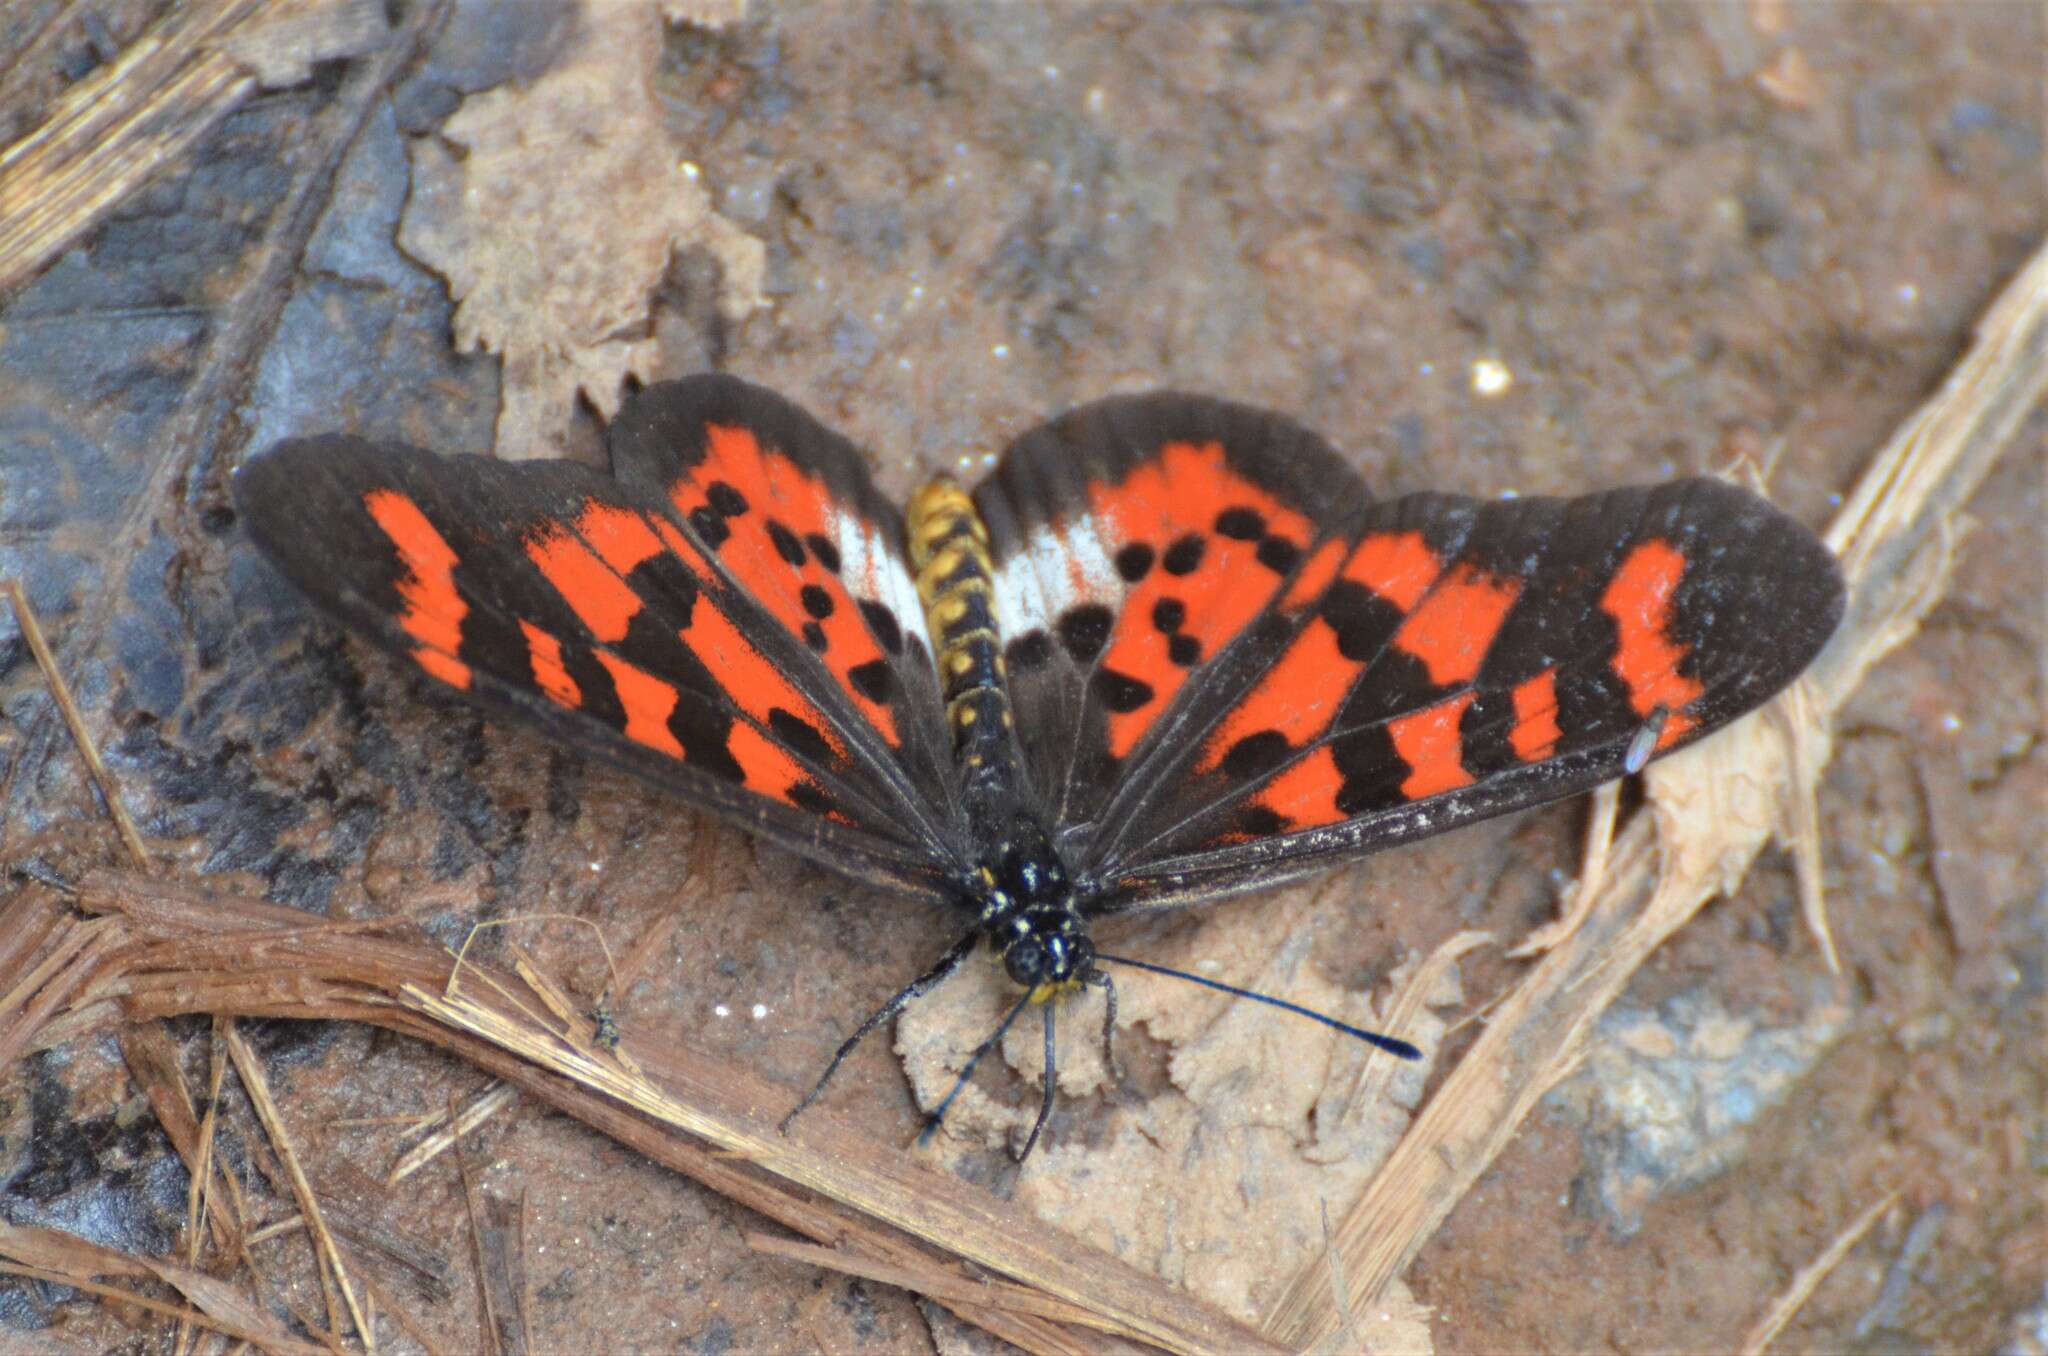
<point>1170,650</point>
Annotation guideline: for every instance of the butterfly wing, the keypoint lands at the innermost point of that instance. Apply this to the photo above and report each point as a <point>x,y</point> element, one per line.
<point>723,615</point>
<point>1141,544</point>
<point>1425,662</point>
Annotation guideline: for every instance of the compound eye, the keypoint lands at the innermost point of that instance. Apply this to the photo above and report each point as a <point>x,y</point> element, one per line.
<point>1026,960</point>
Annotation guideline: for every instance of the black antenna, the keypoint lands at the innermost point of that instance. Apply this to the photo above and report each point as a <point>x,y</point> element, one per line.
<point>1392,1045</point>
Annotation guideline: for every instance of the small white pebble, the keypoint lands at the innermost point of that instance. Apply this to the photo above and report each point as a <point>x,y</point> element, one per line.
<point>1491,377</point>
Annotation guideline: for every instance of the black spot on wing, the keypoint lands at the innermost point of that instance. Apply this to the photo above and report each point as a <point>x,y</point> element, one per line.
<point>1241,524</point>
<point>786,544</point>
<point>1484,746</point>
<point>1278,554</point>
<point>709,525</point>
<point>1134,562</point>
<point>1084,630</point>
<point>824,550</point>
<point>1364,621</point>
<point>1028,651</point>
<point>1121,692</point>
<point>800,737</point>
<point>1372,770</point>
<point>882,622</point>
<point>727,501</point>
<point>703,732</point>
<point>874,680</point>
<point>1255,755</point>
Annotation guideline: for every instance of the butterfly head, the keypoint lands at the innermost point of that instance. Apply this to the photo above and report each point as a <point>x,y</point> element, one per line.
<point>1028,913</point>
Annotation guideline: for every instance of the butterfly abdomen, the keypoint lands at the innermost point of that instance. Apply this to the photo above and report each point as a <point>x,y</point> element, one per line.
<point>949,550</point>
<point>955,582</point>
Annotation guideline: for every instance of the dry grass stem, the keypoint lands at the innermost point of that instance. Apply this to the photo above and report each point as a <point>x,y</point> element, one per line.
<point>1592,874</point>
<point>65,1259</point>
<point>114,131</point>
<point>332,1270</point>
<point>184,950</point>
<point>67,706</point>
<point>480,1107</point>
<point>79,953</point>
<point>497,1241</point>
<point>933,1282</point>
<point>1711,809</point>
<point>138,116</point>
<point>1788,1303</point>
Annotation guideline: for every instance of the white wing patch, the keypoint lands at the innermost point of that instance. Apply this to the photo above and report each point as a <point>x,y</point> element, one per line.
<point>1061,565</point>
<point>872,568</point>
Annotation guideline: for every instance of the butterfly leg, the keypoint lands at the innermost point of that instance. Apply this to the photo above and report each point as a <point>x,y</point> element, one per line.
<point>1051,1081</point>
<point>938,1113</point>
<point>1100,979</point>
<point>917,988</point>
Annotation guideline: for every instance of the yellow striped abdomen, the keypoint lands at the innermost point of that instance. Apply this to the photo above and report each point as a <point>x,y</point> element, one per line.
<point>949,549</point>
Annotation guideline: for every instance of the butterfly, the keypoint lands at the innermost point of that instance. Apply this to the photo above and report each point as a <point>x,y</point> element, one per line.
<point>1170,650</point>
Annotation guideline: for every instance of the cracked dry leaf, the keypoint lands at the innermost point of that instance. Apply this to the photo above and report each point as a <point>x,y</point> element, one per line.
<point>557,221</point>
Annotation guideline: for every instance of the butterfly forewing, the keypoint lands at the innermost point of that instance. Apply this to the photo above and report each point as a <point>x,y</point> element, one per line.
<point>1416,664</point>
<point>599,610</point>
<point>786,514</point>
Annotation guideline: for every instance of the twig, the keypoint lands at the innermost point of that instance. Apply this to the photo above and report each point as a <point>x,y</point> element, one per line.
<point>1809,1277</point>
<point>67,706</point>
<point>196,1317</point>
<point>258,1087</point>
<point>479,1109</point>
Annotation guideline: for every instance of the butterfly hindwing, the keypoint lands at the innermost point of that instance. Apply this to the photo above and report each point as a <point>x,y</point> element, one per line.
<point>596,608</point>
<point>1144,547</point>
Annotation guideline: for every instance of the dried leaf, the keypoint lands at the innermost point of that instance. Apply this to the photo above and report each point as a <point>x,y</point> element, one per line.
<point>557,221</point>
<point>1268,1116</point>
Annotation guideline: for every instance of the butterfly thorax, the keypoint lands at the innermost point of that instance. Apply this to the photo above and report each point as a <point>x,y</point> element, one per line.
<point>1028,910</point>
<point>1023,899</point>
